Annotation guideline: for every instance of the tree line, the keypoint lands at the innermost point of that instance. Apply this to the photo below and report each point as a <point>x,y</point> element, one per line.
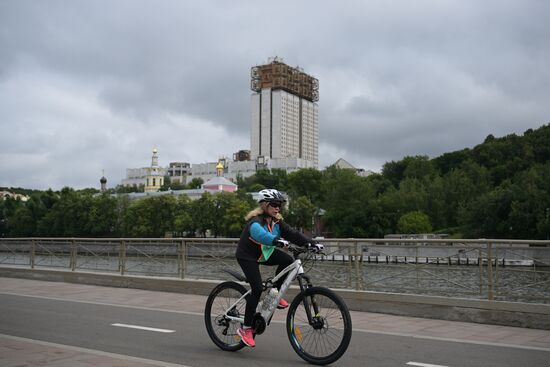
<point>497,189</point>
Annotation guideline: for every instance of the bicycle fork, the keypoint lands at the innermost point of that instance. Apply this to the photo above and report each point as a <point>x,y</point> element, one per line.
<point>314,321</point>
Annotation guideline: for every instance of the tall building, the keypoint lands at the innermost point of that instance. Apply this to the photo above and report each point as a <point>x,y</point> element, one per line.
<point>285,116</point>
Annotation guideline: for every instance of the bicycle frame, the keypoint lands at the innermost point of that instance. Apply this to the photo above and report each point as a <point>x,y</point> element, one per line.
<point>295,271</point>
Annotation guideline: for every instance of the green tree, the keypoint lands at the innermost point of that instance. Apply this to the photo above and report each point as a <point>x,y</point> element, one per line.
<point>272,179</point>
<point>222,202</point>
<point>301,213</point>
<point>448,161</point>
<point>528,216</point>
<point>195,183</point>
<point>348,203</point>
<point>414,222</point>
<point>169,185</point>
<point>395,172</point>
<point>120,189</point>
<point>257,187</point>
<point>69,216</point>
<point>203,213</point>
<point>183,223</point>
<point>231,212</point>
<point>8,207</point>
<point>306,183</point>
<point>418,167</point>
<point>166,184</point>
<point>150,217</point>
<point>487,216</point>
<point>103,218</point>
<point>24,221</point>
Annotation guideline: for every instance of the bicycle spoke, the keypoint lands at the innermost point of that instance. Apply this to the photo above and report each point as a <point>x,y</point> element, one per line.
<point>322,341</point>
<point>221,329</point>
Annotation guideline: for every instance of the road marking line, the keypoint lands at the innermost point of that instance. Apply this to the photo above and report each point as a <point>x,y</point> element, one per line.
<point>451,340</point>
<point>201,314</point>
<point>424,364</point>
<point>94,352</point>
<point>144,328</point>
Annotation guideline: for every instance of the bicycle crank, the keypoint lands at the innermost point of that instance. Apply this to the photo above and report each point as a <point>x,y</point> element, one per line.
<point>258,323</point>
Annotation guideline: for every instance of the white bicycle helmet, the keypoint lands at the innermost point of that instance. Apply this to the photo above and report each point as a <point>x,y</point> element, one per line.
<point>271,196</point>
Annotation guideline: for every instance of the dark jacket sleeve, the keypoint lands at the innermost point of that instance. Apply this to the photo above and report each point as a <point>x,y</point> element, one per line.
<point>294,236</point>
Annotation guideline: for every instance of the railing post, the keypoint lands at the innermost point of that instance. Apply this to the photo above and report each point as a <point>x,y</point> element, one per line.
<point>490,291</point>
<point>357,258</point>
<point>181,259</point>
<point>349,262</point>
<point>495,273</point>
<point>73,255</point>
<point>33,253</point>
<point>480,264</point>
<point>122,257</point>
<point>416,266</point>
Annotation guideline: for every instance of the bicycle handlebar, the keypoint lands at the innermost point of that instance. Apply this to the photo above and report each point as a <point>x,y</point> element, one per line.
<point>297,250</point>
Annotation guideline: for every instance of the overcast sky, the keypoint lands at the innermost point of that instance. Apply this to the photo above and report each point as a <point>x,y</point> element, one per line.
<point>87,86</point>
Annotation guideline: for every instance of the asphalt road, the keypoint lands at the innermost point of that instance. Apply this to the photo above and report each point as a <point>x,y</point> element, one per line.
<point>89,325</point>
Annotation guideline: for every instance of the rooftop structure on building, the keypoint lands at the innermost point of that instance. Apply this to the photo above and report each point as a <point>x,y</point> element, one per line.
<point>285,114</point>
<point>243,169</point>
<point>214,185</point>
<point>241,155</point>
<point>178,172</point>
<point>343,164</point>
<point>12,195</point>
<point>219,182</point>
<point>103,182</point>
<point>152,177</point>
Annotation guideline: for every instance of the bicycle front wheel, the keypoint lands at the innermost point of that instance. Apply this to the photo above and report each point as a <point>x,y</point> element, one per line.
<point>324,338</point>
<point>222,330</point>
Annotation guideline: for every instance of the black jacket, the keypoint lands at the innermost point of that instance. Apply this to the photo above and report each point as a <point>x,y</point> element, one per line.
<point>257,240</point>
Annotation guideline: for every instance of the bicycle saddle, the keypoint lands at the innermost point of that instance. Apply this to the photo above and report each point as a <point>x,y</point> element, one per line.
<point>238,275</point>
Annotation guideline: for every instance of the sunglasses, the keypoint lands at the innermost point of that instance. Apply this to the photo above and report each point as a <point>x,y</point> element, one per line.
<point>275,205</point>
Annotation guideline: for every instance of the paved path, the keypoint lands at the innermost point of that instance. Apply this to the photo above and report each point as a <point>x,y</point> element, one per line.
<point>17,351</point>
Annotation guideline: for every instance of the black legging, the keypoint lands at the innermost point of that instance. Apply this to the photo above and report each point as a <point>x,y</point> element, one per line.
<point>251,270</point>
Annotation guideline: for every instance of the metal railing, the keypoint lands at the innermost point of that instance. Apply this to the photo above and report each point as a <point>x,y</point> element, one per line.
<point>513,270</point>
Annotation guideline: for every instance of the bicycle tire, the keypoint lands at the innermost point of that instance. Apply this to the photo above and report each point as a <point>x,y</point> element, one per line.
<point>314,345</point>
<point>219,300</point>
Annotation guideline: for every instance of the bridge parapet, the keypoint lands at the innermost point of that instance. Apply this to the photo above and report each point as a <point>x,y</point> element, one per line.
<point>491,269</point>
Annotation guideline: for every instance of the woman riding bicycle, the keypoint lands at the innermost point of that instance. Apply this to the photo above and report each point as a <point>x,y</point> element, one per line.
<point>264,230</point>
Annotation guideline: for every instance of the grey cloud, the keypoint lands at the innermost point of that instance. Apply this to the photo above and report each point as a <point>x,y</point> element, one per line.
<point>396,78</point>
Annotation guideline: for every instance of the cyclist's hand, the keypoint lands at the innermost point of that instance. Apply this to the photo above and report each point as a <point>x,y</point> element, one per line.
<point>316,247</point>
<point>282,243</point>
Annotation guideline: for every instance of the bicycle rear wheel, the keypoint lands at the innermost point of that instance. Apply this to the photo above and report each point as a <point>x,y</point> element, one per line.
<point>325,339</point>
<point>222,330</point>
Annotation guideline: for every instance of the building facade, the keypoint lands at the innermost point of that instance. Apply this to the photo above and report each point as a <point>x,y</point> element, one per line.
<point>285,115</point>
<point>178,172</point>
<point>152,178</point>
<point>155,174</point>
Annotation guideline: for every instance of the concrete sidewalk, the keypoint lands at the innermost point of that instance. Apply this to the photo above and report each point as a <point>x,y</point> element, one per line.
<point>19,352</point>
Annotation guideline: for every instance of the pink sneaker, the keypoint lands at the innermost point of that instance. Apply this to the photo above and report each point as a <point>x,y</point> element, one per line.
<point>282,304</point>
<point>247,336</point>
